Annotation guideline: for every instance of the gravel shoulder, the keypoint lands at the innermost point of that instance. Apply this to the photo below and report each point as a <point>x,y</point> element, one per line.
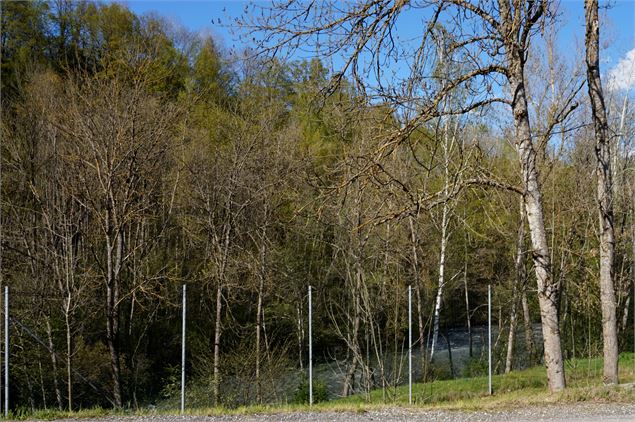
<point>587,412</point>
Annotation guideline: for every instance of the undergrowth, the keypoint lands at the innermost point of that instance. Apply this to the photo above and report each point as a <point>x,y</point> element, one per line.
<point>518,388</point>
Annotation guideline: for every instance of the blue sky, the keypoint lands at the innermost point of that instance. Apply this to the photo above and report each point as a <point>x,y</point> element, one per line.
<point>618,36</point>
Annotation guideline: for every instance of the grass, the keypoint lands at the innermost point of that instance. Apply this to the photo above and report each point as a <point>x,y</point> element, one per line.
<point>517,389</point>
<point>584,382</point>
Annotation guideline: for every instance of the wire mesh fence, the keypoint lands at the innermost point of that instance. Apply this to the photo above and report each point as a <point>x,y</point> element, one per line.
<point>375,364</point>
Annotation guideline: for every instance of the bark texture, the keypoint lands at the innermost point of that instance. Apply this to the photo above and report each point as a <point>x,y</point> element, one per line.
<point>517,287</point>
<point>547,289</point>
<point>604,193</point>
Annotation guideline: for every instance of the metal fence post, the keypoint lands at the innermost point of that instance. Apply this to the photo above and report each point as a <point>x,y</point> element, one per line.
<point>409,344</point>
<point>489,338</point>
<point>310,350</point>
<point>183,351</point>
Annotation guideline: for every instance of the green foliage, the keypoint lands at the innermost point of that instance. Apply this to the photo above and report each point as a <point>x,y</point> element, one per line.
<point>23,40</point>
<point>320,392</point>
<point>475,367</point>
<point>171,384</point>
<point>210,81</point>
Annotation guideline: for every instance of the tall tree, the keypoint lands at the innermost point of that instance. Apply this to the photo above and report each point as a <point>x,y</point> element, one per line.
<point>500,41</point>
<point>118,136</point>
<point>517,26</point>
<point>604,192</point>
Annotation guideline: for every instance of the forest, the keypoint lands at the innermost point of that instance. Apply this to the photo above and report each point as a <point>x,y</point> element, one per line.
<point>138,156</point>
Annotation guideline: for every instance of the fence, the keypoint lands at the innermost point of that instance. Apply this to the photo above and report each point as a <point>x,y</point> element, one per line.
<point>43,344</point>
<point>9,322</point>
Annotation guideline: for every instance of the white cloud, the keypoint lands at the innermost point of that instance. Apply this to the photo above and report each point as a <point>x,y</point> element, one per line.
<point>622,76</point>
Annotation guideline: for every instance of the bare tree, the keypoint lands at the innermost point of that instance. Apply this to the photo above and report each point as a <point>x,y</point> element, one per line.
<point>604,192</point>
<point>496,42</point>
<point>446,132</point>
<point>118,136</point>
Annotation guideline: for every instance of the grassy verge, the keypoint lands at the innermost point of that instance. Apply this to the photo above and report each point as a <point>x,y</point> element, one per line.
<point>517,389</point>
<point>584,382</point>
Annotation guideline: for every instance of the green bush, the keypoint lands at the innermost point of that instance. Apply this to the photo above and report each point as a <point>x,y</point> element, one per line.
<point>475,367</point>
<point>438,371</point>
<point>172,382</point>
<point>320,392</point>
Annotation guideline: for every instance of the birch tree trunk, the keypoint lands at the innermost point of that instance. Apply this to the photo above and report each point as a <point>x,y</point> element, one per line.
<point>217,335</point>
<point>518,285</point>
<point>439,297</point>
<point>547,289</point>
<point>604,193</point>
<point>445,220</point>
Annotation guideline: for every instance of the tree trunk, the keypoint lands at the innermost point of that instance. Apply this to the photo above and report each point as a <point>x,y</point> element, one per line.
<point>439,297</point>
<point>467,300</point>
<point>604,192</point>
<point>112,313</point>
<point>512,332</point>
<point>446,337</point>
<point>258,347</point>
<point>445,213</point>
<point>300,334</point>
<point>518,284</point>
<point>626,308</point>
<point>547,290</point>
<point>223,255</point>
<point>49,334</point>
<point>348,386</point>
<point>422,328</point>
<point>417,283</point>
<point>42,385</point>
<point>355,280</point>
<point>529,330</point>
<point>349,379</point>
<point>69,358</point>
<point>217,336</point>
<point>261,285</point>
